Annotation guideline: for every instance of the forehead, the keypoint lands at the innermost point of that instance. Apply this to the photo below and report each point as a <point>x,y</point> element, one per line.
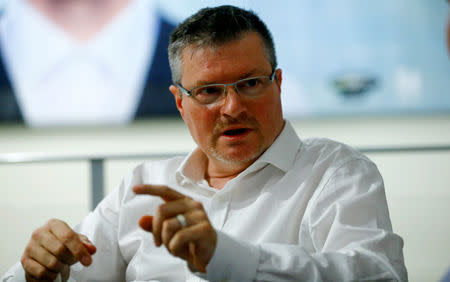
<point>226,62</point>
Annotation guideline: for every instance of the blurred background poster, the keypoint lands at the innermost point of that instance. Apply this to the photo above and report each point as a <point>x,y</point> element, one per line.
<point>105,62</point>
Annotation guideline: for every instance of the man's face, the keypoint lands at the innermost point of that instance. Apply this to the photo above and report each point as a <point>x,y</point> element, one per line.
<point>238,129</point>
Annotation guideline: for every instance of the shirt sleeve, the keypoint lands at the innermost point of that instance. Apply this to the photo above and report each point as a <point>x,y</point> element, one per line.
<point>348,223</point>
<point>17,274</point>
<point>101,227</point>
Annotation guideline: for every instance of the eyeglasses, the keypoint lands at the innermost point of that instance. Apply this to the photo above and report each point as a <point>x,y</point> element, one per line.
<point>212,93</point>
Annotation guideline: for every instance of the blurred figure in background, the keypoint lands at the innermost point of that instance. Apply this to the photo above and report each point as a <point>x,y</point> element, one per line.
<point>448,34</point>
<point>83,62</point>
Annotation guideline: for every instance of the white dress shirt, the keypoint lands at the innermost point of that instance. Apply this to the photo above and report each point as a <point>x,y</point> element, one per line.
<point>59,80</point>
<point>312,210</point>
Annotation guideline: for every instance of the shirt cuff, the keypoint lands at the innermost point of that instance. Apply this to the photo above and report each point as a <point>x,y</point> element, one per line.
<point>233,260</point>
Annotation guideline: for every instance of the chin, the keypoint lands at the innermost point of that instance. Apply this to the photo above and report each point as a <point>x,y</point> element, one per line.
<point>237,156</point>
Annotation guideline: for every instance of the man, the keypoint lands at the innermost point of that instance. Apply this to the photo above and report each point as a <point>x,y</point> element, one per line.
<point>252,202</point>
<point>83,62</point>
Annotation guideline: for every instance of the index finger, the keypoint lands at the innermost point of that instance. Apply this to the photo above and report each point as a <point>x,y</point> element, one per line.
<point>166,193</point>
<point>71,241</point>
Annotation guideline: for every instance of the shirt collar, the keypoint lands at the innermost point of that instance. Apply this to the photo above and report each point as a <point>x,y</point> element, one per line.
<point>281,154</point>
<point>192,168</point>
<point>283,151</point>
<point>29,33</point>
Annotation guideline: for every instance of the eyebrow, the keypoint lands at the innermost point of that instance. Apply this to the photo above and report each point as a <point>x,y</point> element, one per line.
<point>251,73</point>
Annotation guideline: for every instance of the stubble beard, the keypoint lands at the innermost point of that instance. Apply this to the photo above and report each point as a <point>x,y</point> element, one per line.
<point>237,158</point>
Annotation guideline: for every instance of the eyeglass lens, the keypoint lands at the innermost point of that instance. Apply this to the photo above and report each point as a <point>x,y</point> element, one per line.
<point>249,87</point>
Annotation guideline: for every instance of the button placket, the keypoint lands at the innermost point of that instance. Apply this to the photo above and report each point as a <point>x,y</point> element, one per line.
<point>220,203</point>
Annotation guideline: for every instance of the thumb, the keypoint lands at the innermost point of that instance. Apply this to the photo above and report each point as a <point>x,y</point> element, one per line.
<point>146,223</point>
<point>65,273</point>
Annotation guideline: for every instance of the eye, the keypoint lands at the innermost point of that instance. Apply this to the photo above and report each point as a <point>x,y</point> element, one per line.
<point>209,90</point>
<point>207,94</point>
<point>252,82</point>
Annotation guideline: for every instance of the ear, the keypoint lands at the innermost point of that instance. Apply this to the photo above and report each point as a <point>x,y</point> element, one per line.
<point>178,98</point>
<point>278,78</point>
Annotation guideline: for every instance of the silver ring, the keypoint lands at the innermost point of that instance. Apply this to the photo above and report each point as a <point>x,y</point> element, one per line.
<point>181,219</point>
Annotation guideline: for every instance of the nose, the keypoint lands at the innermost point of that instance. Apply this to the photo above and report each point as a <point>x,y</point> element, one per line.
<point>233,105</point>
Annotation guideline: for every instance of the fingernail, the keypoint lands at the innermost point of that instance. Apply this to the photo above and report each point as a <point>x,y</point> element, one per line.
<point>86,260</point>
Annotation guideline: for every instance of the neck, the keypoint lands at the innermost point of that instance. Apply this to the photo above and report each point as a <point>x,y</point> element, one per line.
<point>81,19</point>
<point>219,173</point>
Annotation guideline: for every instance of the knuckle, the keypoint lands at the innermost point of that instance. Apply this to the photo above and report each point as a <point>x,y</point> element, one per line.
<point>24,261</point>
<point>68,236</point>
<point>205,225</point>
<point>199,214</point>
<point>180,237</point>
<point>60,249</point>
<point>41,273</point>
<point>36,234</point>
<point>53,264</point>
<point>28,249</point>
<point>52,222</point>
<point>204,217</point>
<point>209,229</point>
<point>197,205</point>
<point>78,252</point>
<point>160,211</point>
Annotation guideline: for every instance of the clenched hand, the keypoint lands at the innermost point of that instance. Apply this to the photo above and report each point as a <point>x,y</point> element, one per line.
<point>52,249</point>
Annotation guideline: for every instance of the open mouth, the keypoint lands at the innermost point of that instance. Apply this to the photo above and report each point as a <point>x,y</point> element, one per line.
<point>237,131</point>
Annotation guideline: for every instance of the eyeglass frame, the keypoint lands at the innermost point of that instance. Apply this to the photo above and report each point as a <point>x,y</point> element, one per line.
<point>225,86</point>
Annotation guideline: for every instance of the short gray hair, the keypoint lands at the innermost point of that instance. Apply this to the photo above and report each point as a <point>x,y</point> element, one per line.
<point>213,27</point>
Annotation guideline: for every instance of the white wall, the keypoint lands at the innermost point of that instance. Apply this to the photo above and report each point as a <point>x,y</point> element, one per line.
<point>416,183</point>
